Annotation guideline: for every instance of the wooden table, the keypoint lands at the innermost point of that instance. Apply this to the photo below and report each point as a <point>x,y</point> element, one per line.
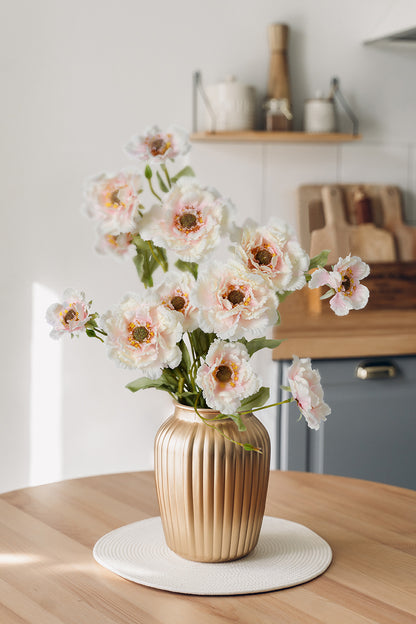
<point>48,574</point>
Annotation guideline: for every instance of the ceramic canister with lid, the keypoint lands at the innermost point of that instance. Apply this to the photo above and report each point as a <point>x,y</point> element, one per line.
<point>319,114</point>
<point>233,105</point>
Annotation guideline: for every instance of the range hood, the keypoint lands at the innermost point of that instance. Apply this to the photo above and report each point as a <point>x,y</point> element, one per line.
<point>397,25</point>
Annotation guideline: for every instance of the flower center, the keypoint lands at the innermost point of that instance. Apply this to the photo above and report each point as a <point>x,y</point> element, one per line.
<point>115,198</point>
<point>235,296</point>
<point>263,256</point>
<point>223,373</point>
<point>158,146</point>
<point>177,302</point>
<point>347,284</point>
<point>187,220</point>
<point>140,333</point>
<point>70,315</point>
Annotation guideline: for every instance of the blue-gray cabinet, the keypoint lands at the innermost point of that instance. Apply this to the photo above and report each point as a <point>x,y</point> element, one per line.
<point>371,433</point>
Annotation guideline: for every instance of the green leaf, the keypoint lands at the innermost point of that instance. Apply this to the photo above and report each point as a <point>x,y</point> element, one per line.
<point>148,173</point>
<point>282,296</point>
<point>250,447</point>
<point>186,171</point>
<point>162,185</point>
<point>167,381</point>
<point>192,267</point>
<point>260,343</point>
<point>238,421</point>
<point>202,341</point>
<point>320,260</point>
<point>329,293</point>
<point>145,262</point>
<point>163,258</point>
<point>255,400</point>
<point>186,360</point>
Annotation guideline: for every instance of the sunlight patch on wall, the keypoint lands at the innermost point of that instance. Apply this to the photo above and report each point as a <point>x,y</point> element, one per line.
<point>45,393</point>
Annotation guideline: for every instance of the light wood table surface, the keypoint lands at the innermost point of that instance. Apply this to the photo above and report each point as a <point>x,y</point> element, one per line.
<point>48,574</point>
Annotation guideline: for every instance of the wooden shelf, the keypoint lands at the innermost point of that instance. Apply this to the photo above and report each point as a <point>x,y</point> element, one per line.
<point>262,136</point>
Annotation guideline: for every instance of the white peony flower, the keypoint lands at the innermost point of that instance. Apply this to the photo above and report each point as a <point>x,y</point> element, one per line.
<point>344,280</point>
<point>143,334</point>
<point>175,293</point>
<point>274,252</point>
<point>190,221</point>
<point>70,316</point>
<point>113,200</point>
<point>233,302</point>
<point>118,245</point>
<point>305,386</point>
<point>226,376</point>
<point>156,147</point>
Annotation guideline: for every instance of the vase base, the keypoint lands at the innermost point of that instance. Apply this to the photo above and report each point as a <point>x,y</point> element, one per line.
<point>287,554</point>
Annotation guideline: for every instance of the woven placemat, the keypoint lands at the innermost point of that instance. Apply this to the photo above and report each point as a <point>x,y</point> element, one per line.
<point>287,554</point>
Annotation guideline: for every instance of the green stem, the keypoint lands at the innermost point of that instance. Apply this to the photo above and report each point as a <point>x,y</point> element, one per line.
<point>153,190</point>
<point>165,171</point>
<point>257,409</point>
<point>207,422</point>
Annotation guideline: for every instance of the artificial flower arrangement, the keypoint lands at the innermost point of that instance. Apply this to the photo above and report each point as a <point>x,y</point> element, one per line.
<point>193,334</point>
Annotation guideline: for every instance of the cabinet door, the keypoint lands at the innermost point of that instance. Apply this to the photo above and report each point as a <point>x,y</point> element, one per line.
<point>371,432</point>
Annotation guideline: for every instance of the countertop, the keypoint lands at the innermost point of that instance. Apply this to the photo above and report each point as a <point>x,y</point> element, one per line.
<point>49,576</point>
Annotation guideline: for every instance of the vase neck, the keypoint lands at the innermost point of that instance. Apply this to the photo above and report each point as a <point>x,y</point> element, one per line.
<point>184,412</point>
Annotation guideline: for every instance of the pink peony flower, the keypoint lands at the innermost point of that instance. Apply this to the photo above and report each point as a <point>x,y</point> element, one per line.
<point>274,252</point>
<point>70,316</point>
<point>118,245</point>
<point>156,147</point>
<point>226,376</point>
<point>233,302</point>
<point>175,293</point>
<point>143,334</point>
<point>113,200</point>
<point>306,389</point>
<point>344,280</point>
<point>190,222</point>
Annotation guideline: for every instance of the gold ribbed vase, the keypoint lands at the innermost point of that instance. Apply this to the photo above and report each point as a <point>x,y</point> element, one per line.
<point>211,491</point>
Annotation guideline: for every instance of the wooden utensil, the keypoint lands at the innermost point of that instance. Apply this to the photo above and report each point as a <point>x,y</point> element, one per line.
<point>335,235</point>
<point>404,235</point>
<point>371,243</point>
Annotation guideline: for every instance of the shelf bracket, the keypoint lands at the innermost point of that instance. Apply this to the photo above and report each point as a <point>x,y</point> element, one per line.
<point>197,87</point>
<point>337,95</point>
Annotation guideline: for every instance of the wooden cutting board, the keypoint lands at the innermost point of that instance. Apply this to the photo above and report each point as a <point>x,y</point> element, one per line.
<point>336,233</point>
<point>404,235</point>
<point>311,217</point>
<point>372,244</point>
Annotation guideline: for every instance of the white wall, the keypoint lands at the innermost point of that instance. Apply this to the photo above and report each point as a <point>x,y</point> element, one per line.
<point>78,79</point>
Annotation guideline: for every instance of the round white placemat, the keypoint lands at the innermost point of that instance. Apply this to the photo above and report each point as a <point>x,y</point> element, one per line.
<point>287,554</point>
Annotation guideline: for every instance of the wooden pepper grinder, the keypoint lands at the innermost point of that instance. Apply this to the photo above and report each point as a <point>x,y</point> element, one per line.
<point>278,105</point>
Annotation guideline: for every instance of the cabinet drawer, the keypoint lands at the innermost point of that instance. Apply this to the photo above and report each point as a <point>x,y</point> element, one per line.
<point>371,432</point>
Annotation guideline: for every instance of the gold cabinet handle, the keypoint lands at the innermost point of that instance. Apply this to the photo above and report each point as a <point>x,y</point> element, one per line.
<point>379,370</point>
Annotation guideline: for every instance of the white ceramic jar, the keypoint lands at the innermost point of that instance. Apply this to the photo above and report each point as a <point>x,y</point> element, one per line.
<point>233,105</point>
<point>319,115</point>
